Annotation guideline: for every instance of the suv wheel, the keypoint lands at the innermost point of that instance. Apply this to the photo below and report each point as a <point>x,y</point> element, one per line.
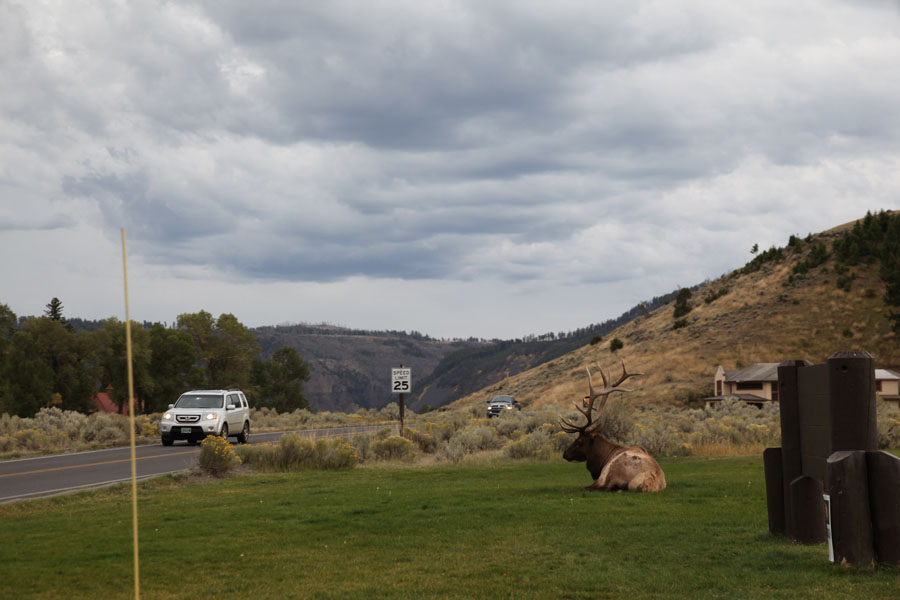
<point>224,433</point>
<point>244,436</point>
<point>167,441</point>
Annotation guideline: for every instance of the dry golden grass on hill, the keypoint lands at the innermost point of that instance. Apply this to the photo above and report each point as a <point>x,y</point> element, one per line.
<point>762,318</point>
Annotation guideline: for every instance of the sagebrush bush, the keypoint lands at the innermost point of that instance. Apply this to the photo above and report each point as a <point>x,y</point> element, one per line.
<point>888,425</point>
<point>298,453</point>
<point>98,422</point>
<point>528,446</point>
<point>477,439</point>
<point>450,452</point>
<point>217,456</point>
<point>393,448</point>
<point>109,435</point>
<point>30,439</point>
<point>426,443</point>
<point>391,412</point>
<point>362,442</point>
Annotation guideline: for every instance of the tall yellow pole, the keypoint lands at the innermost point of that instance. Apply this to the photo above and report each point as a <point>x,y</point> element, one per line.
<point>134,504</point>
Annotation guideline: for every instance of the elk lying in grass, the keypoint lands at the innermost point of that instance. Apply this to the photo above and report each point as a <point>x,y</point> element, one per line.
<point>612,466</point>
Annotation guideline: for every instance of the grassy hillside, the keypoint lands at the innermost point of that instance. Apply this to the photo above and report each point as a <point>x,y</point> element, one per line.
<point>768,311</point>
<point>470,369</point>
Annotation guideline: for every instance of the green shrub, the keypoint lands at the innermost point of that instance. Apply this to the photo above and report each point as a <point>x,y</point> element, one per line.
<point>393,448</point>
<point>391,412</point>
<point>362,442</point>
<point>383,434</point>
<point>261,457</point>
<point>217,456</point>
<point>452,452</point>
<point>845,282</point>
<point>31,439</point>
<point>680,324</point>
<point>109,435</point>
<point>298,453</point>
<point>616,344</point>
<point>424,441</point>
<point>529,446</point>
<point>888,425</point>
<point>477,439</point>
<point>682,307</point>
<point>713,296</point>
<point>772,254</point>
<point>335,454</point>
<point>93,427</point>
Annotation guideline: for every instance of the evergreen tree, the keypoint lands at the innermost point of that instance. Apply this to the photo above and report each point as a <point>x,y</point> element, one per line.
<point>279,380</point>
<point>174,366</point>
<point>7,329</point>
<point>49,365</point>
<point>112,357</point>
<point>54,310</point>
<point>224,347</point>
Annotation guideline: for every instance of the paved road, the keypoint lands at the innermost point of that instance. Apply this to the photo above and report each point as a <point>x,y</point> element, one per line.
<point>27,478</point>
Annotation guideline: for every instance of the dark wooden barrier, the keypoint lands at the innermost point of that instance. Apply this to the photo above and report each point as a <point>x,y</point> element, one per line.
<point>851,521</point>
<point>808,509</point>
<point>774,489</point>
<point>829,434</point>
<point>884,500</point>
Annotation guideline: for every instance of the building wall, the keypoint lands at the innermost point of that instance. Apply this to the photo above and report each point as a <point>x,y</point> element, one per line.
<point>889,387</point>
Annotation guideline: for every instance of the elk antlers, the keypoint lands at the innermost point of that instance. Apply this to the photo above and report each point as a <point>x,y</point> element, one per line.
<point>603,394</point>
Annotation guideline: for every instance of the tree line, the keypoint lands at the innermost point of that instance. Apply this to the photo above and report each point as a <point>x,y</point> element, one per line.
<point>876,237</point>
<point>45,362</point>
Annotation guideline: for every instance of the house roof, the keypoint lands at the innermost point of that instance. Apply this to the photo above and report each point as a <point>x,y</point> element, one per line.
<point>886,375</point>
<point>757,372</point>
<point>103,403</point>
<point>744,397</point>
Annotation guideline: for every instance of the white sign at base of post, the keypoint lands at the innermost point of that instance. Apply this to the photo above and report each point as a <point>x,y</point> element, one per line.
<point>401,381</point>
<point>827,499</point>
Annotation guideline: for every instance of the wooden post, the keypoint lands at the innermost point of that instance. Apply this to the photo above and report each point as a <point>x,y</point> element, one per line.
<point>884,502</point>
<point>402,411</point>
<point>789,412</point>
<point>774,489</point>
<point>852,382</point>
<point>851,520</point>
<point>808,509</point>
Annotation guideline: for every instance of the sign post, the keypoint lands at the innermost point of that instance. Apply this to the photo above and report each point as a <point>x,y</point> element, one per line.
<point>401,382</point>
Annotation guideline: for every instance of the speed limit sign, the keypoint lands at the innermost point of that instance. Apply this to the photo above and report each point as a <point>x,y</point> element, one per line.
<point>401,380</point>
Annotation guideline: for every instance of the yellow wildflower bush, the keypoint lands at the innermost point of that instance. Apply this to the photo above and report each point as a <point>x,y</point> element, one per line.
<point>217,456</point>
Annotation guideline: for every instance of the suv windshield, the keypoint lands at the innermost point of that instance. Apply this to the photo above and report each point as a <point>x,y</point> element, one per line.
<point>205,401</point>
<point>502,399</point>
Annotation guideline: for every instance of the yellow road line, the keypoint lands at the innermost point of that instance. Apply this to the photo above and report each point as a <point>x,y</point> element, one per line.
<point>96,464</point>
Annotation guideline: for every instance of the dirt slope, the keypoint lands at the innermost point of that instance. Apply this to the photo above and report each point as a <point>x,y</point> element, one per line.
<point>762,318</point>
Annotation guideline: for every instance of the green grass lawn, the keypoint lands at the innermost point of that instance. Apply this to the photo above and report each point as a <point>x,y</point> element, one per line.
<point>516,530</point>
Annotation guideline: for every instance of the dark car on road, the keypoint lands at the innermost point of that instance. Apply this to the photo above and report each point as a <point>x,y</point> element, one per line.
<point>498,404</point>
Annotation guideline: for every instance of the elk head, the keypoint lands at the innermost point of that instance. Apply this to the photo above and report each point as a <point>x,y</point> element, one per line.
<point>588,433</point>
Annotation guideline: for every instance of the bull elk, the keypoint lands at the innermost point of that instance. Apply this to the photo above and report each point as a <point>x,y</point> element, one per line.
<point>612,466</point>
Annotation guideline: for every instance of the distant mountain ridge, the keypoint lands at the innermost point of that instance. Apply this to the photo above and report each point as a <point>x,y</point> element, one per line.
<point>350,369</point>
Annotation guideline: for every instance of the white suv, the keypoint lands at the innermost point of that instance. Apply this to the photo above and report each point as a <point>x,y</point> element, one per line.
<point>200,413</point>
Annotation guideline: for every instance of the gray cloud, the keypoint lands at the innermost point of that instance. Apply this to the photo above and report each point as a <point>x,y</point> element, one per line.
<point>580,144</point>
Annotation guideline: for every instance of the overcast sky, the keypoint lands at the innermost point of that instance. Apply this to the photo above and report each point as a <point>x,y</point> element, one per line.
<point>481,168</point>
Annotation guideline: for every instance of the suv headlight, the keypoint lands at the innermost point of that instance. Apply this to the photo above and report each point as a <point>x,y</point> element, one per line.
<point>167,417</point>
<point>211,416</point>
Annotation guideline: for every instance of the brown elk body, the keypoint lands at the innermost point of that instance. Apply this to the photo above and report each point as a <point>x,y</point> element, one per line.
<point>613,467</point>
